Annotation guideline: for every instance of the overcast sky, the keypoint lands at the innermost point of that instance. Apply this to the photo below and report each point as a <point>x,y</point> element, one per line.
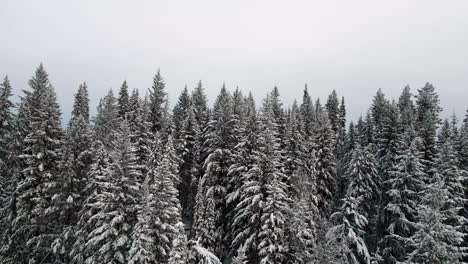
<point>354,47</point>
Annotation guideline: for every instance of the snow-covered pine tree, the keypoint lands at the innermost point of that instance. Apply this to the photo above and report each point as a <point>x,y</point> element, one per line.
<point>7,163</point>
<point>243,161</point>
<point>219,142</point>
<point>158,99</point>
<point>97,184</point>
<point>123,100</point>
<point>307,112</point>
<point>275,204</point>
<point>341,161</point>
<point>403,186</point>
<point>333,110</point>
<point>202,115</point>
<point>378,111</point>
<point>204,230</point>
<point>13,247</point>
<point>179,251</point>
<point>199,102</point>
<point>301,230</point>
<point>189,165</point>
<point>298,166</point>
<point>200,255</point>
<point>114,201</point>
<point>435,240</point>
<point>179,114</point>
<point>74,167</point>
<point>448,166</point>
<point>81,103</point>
<point>6,135</point>
<point>145,142</point>
<point>156,228</point>
<point>276,104</point>
<point>406,108</point>
<point>239,107</point>
<point>325,164</point>
<point>463,148</point>
<point>342,115</point>
<point>364,180</point>
<point>445,133</point>
<point>346,234</point>
<point>367,128</point>
<point>106,120</point>
<point>34,227</point>
<point>387,141</point>
<point>427,118</point>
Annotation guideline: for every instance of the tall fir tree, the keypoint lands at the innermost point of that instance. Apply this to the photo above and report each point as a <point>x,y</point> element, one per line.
<point>74,167</point>
<point>8,169</point>
<point>106,120</point>
<point>427,118</point>
<point>199,102</point>
<point>158,99</point>
<point>325,164</point>
<point>179,114</point>
<point>403,186</point>
<point>156,228</point>
<point>463,148</point>
<point>346,234</point>
<point>435,240</point>
<point>123,101</point>
<point>112,205</point>
<point>222,137</point>
<point>364,180</point>
<point>333,110</point>
<point>276,105</point>
<point>35,226</point>
<point>189,165</point>
<point>406,107</point>
<point>307,112</point>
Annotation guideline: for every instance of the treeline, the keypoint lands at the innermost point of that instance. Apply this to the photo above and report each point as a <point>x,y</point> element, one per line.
<point>238,182</point>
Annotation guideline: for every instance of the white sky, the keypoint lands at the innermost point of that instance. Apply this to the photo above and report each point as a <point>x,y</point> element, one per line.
<point>354,47</point>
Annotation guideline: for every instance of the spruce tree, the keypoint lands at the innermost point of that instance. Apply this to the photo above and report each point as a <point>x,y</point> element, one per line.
<point>427,118</point>
<point>403,186</point>
<point>8,169</point>
<point>307,110</point>
<point>436,241</point>
<point>179,252</point>
<point>145,142</point>
<point>75,165</point>
<point>325,164</point>
<point>463,148</point>
<point>272,244</point>
<point>158,98</point>
<point>123,100</point>
<point>112,205</point>
<point>179,114</point>
<point>36,224</point>
<point>222,137</point>
<point>378,110</point>
<point>364,180</point>
<point>406,107</point>
<point>189,165</point>
<point>98,180</point>
<point>106,120</point>
<point>156,228</point>
<point>346,234</point>
<point>276,105</point>
<point>333,110</point>
<point>199,102</point>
